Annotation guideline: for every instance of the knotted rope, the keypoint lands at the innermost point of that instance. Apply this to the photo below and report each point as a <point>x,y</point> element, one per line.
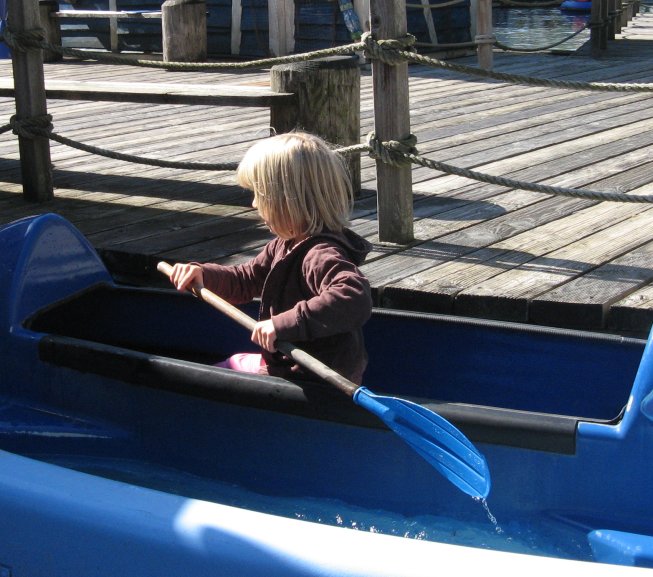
<point>32,127</point>
<point>389,51</point>
<point>25,40</point>
<point>394,152</point>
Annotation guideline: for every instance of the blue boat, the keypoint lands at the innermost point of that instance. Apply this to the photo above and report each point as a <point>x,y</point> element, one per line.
<point>576,6</point>
<point>125,452</point>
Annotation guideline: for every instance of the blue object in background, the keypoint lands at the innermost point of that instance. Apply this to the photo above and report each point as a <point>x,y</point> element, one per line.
<point>4,49</point>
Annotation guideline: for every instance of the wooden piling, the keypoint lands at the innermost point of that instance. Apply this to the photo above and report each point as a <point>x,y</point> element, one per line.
<point>599,27</point>
<point>328,102</point>
<point>29,82</point>
<point>183,24</point>
<point>392,122</point>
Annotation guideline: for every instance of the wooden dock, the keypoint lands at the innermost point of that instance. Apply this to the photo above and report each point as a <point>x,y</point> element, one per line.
<point>483,250</point>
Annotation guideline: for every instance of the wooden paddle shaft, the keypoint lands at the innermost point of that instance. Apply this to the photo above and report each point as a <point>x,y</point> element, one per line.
<point>301,357</point>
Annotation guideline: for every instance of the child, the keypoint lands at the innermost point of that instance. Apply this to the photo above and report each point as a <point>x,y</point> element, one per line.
<point>311,291</point>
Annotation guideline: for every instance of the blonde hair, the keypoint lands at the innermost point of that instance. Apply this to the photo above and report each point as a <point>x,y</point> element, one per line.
<point>301,186</point>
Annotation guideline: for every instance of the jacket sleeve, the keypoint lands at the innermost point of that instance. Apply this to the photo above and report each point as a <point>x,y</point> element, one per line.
<point>342,299</point>
<point>241,283</point>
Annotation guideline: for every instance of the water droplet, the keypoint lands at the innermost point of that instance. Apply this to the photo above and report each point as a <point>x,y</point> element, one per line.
<point>489,514</point>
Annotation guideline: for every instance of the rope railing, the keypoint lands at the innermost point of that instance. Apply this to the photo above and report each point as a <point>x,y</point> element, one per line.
<point>394,153</point>
<point>503,46</point>
<point>392,51</point>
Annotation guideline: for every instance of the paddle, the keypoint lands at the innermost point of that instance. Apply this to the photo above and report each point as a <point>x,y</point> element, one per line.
<point>429,434</point>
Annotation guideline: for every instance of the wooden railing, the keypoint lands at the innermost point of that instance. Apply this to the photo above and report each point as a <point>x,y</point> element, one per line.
<point>183,26</point>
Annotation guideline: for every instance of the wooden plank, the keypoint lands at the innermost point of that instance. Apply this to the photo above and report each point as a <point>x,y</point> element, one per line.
<point>119,14</point>
<point>633,314</point>
<point>436,285</point>
<point>585,302</point>
<point>157,93</point>
<point>507,295</point>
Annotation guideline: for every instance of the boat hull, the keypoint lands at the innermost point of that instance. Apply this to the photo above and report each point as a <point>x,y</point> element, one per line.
<point>111,411</point>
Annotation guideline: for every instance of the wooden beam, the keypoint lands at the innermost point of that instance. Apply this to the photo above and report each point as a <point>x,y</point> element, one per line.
<point>159,93</point>
<point>119,14</point>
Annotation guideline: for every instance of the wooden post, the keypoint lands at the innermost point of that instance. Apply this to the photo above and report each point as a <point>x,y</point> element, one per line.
<point>597,27</point>
<point>328,94</point>
<point>183,23</point>
<point>626,12</point>
<point>392,122</point>
<point>236,18</point>
<point>281,27</point>
<point>612,19</point>
<point>113,26</point>
<point>51,27</point>
<point>29,83</point>
<point>618,11</point>
<point>484,34</point>
<point>605,23</point>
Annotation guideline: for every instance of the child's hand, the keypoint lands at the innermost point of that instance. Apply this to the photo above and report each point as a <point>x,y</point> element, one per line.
<point>184,276</point>
<point>265,336</point>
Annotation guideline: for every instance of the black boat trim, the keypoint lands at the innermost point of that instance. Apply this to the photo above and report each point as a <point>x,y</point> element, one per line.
<point>482,424</point>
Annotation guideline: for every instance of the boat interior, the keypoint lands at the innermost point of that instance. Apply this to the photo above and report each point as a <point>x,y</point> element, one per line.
<point>501,383</point>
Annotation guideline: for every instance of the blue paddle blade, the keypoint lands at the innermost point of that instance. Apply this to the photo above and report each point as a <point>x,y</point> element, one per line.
<point>434,438</point>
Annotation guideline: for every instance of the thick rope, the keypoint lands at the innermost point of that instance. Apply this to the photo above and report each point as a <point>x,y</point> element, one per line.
<point>395,149</point>
<point>42,126</point>
<point>35,40</point>
<point>526,80</point>
<point>144,160</point>
<point>389,51</point>
<point>32,127</point>
<point>394,153</point>
<point>25,40</point>
<point>523,185</point>
<point>503,46</point>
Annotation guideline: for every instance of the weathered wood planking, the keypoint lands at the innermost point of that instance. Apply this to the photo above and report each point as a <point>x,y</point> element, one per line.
<point>158,93</point>
<point>481,249</point>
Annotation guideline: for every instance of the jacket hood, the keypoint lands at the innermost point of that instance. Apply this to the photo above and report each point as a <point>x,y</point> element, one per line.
<point>357,247</point>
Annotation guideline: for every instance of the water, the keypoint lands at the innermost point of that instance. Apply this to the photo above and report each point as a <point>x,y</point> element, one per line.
<point>539,27</point>
<point>529,534</point>
<point>646,7</point>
